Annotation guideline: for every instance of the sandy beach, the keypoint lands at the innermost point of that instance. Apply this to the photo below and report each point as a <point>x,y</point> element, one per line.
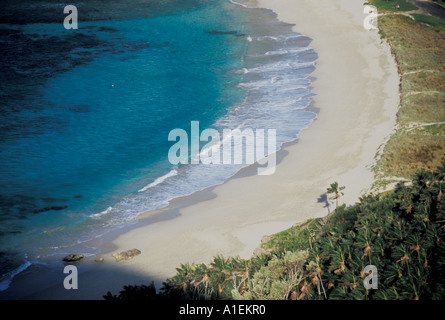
<point>357,94</point>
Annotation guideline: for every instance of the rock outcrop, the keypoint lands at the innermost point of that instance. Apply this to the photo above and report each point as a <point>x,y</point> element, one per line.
<point>126,255</point>
<point>73,257</point>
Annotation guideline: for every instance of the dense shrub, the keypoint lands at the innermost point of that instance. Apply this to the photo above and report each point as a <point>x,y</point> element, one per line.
<point>401,233</point>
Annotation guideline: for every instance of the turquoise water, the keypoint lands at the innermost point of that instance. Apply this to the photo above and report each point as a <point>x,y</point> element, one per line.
<point>85,115</point>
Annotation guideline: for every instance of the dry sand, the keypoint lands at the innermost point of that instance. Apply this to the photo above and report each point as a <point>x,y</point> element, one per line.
<point>357,93</point>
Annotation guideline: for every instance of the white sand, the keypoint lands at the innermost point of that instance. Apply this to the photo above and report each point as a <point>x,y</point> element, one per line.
<point>357,95</point>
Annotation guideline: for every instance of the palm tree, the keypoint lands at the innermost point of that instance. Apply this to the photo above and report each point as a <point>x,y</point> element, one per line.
<point>336,190</point>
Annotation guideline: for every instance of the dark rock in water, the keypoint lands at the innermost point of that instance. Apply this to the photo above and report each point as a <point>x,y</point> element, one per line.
<point>55,208</point>
<point>79,108</point>
<point>107,29</point>
<point>78,196</point>
<point>53,200</point>
<point>73,257</point>
<point>126,255</point>
<point>221,32</point>
<point>160,45</point>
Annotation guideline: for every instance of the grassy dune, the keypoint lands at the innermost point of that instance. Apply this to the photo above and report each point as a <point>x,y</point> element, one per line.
<point>390,5</point>
<point>418,44</point>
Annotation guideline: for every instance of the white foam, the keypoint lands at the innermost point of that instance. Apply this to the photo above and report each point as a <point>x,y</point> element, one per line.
<point>281,66</point>
<point>108,210</point>
<point>5,281</point>
<point>242,5</point>
<point>289,51</point>
<point>159,180</point>
<point>241,71</point>
<point>277,52</point>
<point>281,38</point>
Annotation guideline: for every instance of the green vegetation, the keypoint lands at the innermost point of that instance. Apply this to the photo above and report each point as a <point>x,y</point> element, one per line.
<point>429,20</point>
<point>401,233</point>
<point>391,5</point>
<point>419,50</point>
<point>336,190</point>
<point>440,2</point>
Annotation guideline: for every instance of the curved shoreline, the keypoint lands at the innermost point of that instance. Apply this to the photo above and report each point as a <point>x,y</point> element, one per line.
<point>357,87</point>
<point>341,144</point>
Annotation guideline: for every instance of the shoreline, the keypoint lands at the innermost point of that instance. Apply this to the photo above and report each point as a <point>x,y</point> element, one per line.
<point>356,83</point>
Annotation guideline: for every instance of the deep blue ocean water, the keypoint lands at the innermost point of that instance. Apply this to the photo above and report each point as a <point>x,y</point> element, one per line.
<point>85,114</point>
